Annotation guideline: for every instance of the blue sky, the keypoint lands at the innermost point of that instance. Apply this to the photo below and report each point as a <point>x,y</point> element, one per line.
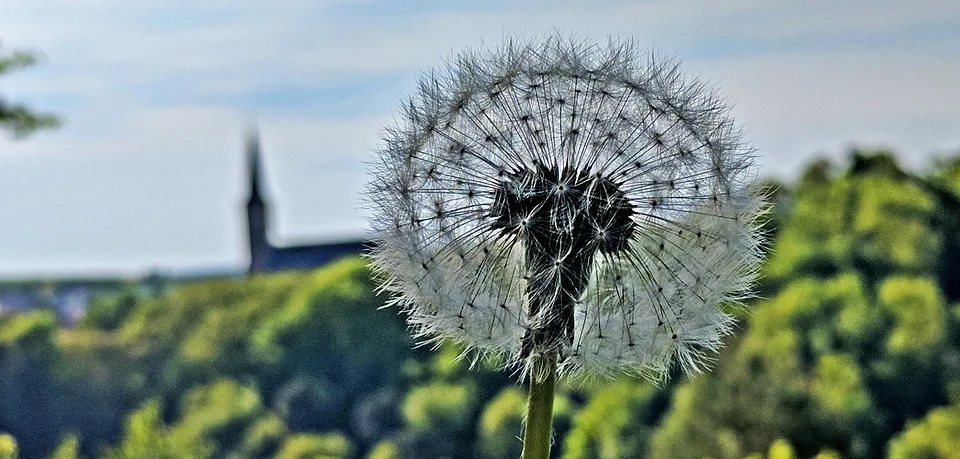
<point>157,94</point>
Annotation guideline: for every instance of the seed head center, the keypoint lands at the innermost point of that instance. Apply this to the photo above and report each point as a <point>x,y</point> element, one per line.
<point>563,217</point>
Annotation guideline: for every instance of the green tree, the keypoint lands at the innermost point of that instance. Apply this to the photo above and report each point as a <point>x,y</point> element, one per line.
<point>146,435</point>
<point>936,436</point>
<point>856,337</point>
<point>781,449</point>
<point>262,437</point>
<point>386,449</point>
<point>220,413</point>
<point>314,446</point>
<point>8,446</point>
<point>19,120</point>
<point>762,388</point>
<point>109,311</point>
<point>616,423</point>
<point>329,347</point>
<point>500,423</point>
<point>69,448</point>
<point>439,419</point>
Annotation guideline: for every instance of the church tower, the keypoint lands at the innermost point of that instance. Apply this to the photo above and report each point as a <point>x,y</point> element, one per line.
<point>256,208</point>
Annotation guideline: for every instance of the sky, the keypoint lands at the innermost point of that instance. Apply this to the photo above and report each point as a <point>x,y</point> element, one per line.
<point>157,95</point>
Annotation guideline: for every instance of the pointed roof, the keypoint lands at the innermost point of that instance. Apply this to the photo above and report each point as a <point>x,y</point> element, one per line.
<point>254,167</point>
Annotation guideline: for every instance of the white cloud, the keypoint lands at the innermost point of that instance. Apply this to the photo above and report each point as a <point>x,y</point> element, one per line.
<point>802,104</point>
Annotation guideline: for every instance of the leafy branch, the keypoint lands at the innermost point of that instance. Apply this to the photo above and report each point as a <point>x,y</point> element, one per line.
<point>16,119</point>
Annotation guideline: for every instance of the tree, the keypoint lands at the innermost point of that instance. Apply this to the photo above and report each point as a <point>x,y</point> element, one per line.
<point>145,435</point>
<point>439,417</point>
<point>500,425</point>
<point>18,120</point>
<point>69,448</point>
<point>331,445</point>
<point>8,446</point>
<point>616,422</point>
<point>937,435</point>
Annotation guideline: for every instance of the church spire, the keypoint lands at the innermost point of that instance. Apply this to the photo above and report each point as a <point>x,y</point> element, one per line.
<point>254,166</point>
<point>256,206</point>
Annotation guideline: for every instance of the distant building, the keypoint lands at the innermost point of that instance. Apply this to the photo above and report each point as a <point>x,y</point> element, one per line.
<point>70,297</point>
<point>264,256</point>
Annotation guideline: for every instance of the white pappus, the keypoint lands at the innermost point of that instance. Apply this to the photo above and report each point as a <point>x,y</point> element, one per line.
<point>586,201</point>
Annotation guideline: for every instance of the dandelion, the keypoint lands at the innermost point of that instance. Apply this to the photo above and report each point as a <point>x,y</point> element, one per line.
<point>568,208</point>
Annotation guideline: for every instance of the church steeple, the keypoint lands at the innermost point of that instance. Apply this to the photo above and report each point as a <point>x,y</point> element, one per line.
<point>256,206</point>
<point>254,167</point>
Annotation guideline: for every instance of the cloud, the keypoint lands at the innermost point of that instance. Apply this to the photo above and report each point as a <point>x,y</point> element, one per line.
<point>809,103</point>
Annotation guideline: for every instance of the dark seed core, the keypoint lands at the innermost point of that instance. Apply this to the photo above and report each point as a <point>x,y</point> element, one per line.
<point>564,217</point>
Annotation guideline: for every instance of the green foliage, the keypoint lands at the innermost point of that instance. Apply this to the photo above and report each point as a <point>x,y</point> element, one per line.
<point>145,435</point>
<point>331,334</point>
<point>500,433</point>
<point>830,364</point>
<point>918,314</point>
<point>854,352</point>
<point>313,446</point>
<point>192,347</point>
<point>437,415</point>
<point>222,419</point>
<point>778,381</point>
<point>219,413</point>
<point>261,437</point>
<point>17,119</point>
<point>8,446</point>
<point>385,450</point>
<point>32,331</point>
<point>828,454</point>
<point>41,397</point>
<point>108,312</point>
<point>781,449</point>
<point>838,388</point>
<point>873,219</point>
<point>616,422</point>
<point>69,448</point>
<point>936,436</point>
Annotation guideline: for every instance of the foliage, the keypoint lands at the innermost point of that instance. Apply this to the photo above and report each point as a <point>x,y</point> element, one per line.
<point>616,422</point>
<point>19,120</point>
<point>500,432</point>
<point>8,446</point>
<point>384,450</point>
<point>69,448</point>
<point>436,413</point>
<point>145,435</point>
<point>109,311</point>
<point>854,352</point>
<point>937,435</point>
<point>313,446</point>
<point>830,362</point>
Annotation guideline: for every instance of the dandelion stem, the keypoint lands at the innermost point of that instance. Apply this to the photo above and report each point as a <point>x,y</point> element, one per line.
<point>539,421</point>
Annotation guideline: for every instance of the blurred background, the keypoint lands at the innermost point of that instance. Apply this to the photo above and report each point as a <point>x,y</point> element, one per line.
<point>180,231</point>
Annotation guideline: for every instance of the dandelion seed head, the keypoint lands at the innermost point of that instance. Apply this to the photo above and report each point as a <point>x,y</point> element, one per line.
<point>567,198</point>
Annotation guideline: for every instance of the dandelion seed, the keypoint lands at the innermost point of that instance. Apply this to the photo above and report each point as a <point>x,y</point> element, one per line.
<point>586,202</point>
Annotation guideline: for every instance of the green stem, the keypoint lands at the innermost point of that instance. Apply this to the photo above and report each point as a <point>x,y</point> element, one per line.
<point>539,422</point>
